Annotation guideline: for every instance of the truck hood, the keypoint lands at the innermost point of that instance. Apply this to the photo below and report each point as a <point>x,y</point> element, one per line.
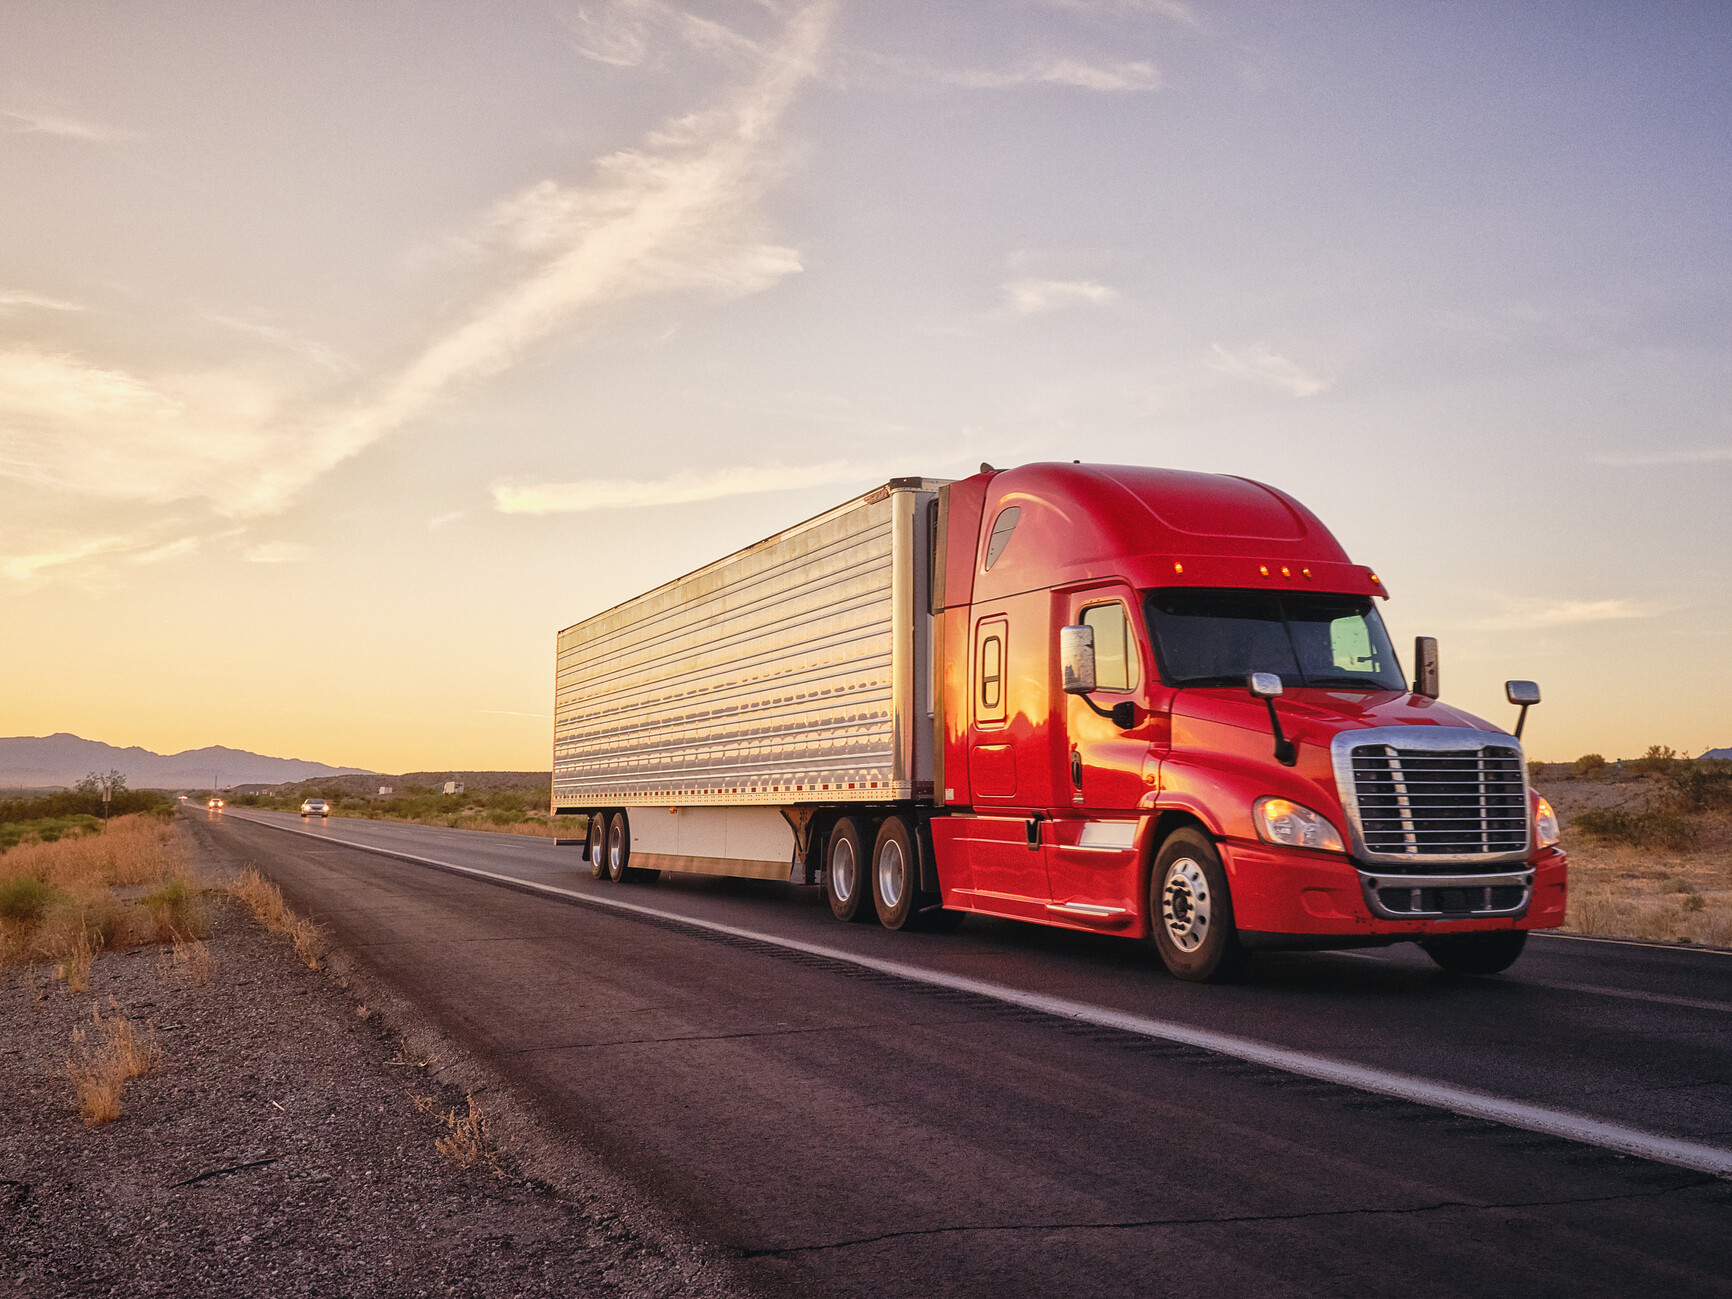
<point>1314,716</point>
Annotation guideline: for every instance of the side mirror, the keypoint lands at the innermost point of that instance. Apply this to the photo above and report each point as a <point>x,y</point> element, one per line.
<point>1525,693</point>
<point>1425,666</point>
<point>1076,654</point>
<point>1265,685</point>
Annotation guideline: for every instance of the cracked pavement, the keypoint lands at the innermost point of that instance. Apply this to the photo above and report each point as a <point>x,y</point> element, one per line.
<point>843,1132</point>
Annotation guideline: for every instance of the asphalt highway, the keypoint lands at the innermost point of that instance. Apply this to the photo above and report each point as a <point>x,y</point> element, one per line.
<point>1013,1110</point>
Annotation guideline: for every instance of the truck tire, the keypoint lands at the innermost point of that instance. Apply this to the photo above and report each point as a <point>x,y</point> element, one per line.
<point>1491,953</point>
<point>845,872</point>
<point>1191,911</point>
<point>597,846</point>
<point>895,874</point>
<point>618,848</point>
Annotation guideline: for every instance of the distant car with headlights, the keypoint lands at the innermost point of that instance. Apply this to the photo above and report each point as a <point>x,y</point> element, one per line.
<point>315,807</point>
<point>215,805</point>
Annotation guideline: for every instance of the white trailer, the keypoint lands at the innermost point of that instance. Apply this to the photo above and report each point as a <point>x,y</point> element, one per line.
<point>702,725</point>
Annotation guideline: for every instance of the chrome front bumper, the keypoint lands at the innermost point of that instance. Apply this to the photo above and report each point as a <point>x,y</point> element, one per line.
<point>1447,897</point>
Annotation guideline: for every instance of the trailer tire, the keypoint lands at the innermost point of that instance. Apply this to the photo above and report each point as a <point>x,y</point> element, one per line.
<point>1191,911</point>
<point>618,848</point>
<point>845,872</point>
<point>895,874</point>
<point>1491,953</point>
<point>596,845</point>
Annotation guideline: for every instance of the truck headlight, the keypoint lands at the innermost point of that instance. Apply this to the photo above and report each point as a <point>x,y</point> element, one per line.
<point>1283,821</point>
<point>1545,823</point>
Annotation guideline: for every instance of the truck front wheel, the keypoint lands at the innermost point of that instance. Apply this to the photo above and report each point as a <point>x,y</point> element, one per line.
<point>1191,911</point>
<point>1491,953</point>
<point>845,872</point>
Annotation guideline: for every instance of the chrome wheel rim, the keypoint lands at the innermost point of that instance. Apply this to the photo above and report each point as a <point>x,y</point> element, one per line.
<point>842,870</point>
<point>1185,905</point>
<point>615,850</point>
<point>892,874</point>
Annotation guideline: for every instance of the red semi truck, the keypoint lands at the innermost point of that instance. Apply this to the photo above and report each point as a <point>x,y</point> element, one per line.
<point>1133,701</point>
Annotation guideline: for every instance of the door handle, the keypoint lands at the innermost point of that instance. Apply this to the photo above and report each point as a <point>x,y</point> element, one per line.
<point>1076,769</point>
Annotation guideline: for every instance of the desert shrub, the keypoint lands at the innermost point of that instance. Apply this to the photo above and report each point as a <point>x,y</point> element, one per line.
<point>1657,761</point>
<point>1700,786</point>
<point>178,911</point>
<point>26,898</point>
<point>1657,827</point>
<point>1589,764</point>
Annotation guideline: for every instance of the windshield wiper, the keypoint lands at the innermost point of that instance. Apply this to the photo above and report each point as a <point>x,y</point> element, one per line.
<point>1358,683</point>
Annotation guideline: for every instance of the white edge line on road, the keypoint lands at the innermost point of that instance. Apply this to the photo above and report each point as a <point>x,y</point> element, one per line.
<point>1460,1100</point>
<point>1631,942</point>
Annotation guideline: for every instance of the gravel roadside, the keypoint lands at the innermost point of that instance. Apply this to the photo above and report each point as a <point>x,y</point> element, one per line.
<point>285,1144</point>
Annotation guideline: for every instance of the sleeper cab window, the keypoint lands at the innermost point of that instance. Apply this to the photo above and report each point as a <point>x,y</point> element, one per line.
<point>1115,650</point>
<point>1002,527</point>
<point>989,660</point>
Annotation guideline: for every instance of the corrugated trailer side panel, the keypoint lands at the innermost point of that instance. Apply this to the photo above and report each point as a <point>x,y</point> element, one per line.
<point>780,674</point>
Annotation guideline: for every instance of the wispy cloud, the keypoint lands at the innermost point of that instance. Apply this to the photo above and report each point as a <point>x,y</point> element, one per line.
<point>35,122</point>
<point>1136,75</point>
<point>623,33</point>
<point>29,567</point>
<point>1026,297</point>
<point>1682,456</point>
<point>1539,613</point>
<point>286,340</point>
<point>680,489</point>
<point>1260,363</point>
<point>278,552</point>
<point>678,214</point>
<point>10,300</point>
<point>1173,10</point>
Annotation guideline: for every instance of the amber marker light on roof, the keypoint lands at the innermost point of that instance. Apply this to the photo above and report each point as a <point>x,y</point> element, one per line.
<point>1178,567</point>
<point>1286,572</point>
<point>1263,569</point>
<point>1307,573</point>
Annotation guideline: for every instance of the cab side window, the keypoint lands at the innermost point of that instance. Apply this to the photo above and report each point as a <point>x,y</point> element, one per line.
<point>1115,647</point>
<point>989,671</point>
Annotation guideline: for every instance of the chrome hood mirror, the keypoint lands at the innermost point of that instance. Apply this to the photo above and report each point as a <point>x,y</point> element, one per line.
<point>1525,693</point>
<point>1267,687</point>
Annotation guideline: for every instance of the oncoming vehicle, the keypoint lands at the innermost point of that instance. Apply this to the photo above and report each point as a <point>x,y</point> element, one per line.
<point>1126,700</point>
<point>315,807</point>
<point>215,805</point>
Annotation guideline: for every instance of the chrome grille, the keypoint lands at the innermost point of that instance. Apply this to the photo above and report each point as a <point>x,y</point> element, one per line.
<point>1434,795</point>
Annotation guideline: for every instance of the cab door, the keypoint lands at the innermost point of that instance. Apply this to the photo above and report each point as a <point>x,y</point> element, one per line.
<point>1109,771</point>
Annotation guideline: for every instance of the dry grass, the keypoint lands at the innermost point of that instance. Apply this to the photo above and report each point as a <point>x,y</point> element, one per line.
<point>102,1059</point>
<point>189,961</point>
<point>265,900</point>
<point>466,1139</point>
<point>1656,893</point>
<point>57,901</point>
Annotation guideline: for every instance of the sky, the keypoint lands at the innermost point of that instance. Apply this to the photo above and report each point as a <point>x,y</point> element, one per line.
<point>347,352</point>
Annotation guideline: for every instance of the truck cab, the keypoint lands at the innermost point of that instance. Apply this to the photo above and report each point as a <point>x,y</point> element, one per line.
<point>1247,766</point>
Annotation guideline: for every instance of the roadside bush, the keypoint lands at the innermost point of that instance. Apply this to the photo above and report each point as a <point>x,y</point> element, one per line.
<point>26,898</point>
<point>178,911</point>
<point>1657,761</point>
<point>1654,828</point>
<point>1589,765</point>
<point>1700,786</point>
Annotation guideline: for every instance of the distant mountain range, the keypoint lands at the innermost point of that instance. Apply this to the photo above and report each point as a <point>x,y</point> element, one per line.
<point>1720,754</point>
<point>38,761</point>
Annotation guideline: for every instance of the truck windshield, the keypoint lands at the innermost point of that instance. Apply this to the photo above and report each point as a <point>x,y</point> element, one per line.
<point>1214,638</point>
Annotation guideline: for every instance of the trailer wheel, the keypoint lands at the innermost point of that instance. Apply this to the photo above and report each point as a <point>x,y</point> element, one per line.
<point>597,847</point>
<point>1191,911</point>
<point>895,874</point>
<point>618,848</point>
<point>1491,953</point>
<point>845,872</point>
